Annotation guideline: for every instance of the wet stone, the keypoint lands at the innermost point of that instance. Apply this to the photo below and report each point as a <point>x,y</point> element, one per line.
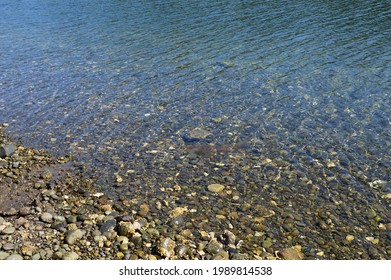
<point>108,225</point>
<point>166,247</point>
<point>267,243</point>
<point>215,188</point>
<point>213,247</point>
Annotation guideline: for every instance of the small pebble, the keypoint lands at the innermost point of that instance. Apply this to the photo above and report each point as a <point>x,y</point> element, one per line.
<point>215,188</point>
<point>349,238</point>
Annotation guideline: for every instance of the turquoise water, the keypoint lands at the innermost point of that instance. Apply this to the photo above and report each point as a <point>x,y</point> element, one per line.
<point>292,95</point>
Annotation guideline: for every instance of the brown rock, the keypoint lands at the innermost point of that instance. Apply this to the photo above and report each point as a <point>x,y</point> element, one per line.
<point>291,254</point>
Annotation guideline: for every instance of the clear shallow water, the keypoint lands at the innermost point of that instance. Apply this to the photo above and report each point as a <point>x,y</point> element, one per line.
<point>289,91</point>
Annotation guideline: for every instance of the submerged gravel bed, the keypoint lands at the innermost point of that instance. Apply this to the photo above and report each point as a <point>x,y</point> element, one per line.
<point>49,209</point>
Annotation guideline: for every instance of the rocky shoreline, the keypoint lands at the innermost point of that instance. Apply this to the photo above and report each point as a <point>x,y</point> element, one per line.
<point>50,210</point>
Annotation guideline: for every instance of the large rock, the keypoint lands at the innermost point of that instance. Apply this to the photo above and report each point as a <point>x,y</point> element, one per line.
<point>7,150</point>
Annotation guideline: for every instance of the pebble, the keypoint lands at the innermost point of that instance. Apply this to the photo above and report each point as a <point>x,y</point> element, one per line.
<point>8,247</point>
<point>10,212</point>
<point>108,225</point>
<point>182,224</point>
<point>291,254</point>
<point>71,256</point>
<point>8,230</point>
<point>100,240</point>
<point>349,238</point>
<point>15,257</point>
<point>166,247</point>
<point>24,211</point>
<point>46,217</point>
<point>213,247</point>
<point>3,255</point>
<point>215,188</point>
<point>267,243</point>
<point>72,236</point>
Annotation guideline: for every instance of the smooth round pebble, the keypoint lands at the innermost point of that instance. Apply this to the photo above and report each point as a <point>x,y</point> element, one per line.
<point>215,188</point>
<point>15,257</point>
<point>8,230</point>
<point>46,217</point>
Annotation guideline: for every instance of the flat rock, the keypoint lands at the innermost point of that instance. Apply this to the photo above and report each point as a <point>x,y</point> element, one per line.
<point>196,135</point>
<point>291,254</point>
<point>71,256</point>
<point>15,257</point>
<point>8,246</point>
<point>8,230</point>
<point>215,188</point>
<point>199,133</point>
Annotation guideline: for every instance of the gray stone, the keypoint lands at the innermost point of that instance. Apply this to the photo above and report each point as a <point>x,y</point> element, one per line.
<point>7,150</point>
<point>72,236</point>
<point>46,217</point>
<point>1,220</point>
<point>8,230</point>
<point>108,225</point>
<point>8,246</point>
<point>15,257</point>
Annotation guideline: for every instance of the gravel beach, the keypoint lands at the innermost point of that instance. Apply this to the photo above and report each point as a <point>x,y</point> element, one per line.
<point>49,210</point>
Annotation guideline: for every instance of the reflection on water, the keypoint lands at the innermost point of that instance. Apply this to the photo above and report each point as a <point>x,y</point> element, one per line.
<point>277,99</point>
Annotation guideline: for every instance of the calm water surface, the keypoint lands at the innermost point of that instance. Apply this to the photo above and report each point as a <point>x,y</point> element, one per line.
<point>286,99</point>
